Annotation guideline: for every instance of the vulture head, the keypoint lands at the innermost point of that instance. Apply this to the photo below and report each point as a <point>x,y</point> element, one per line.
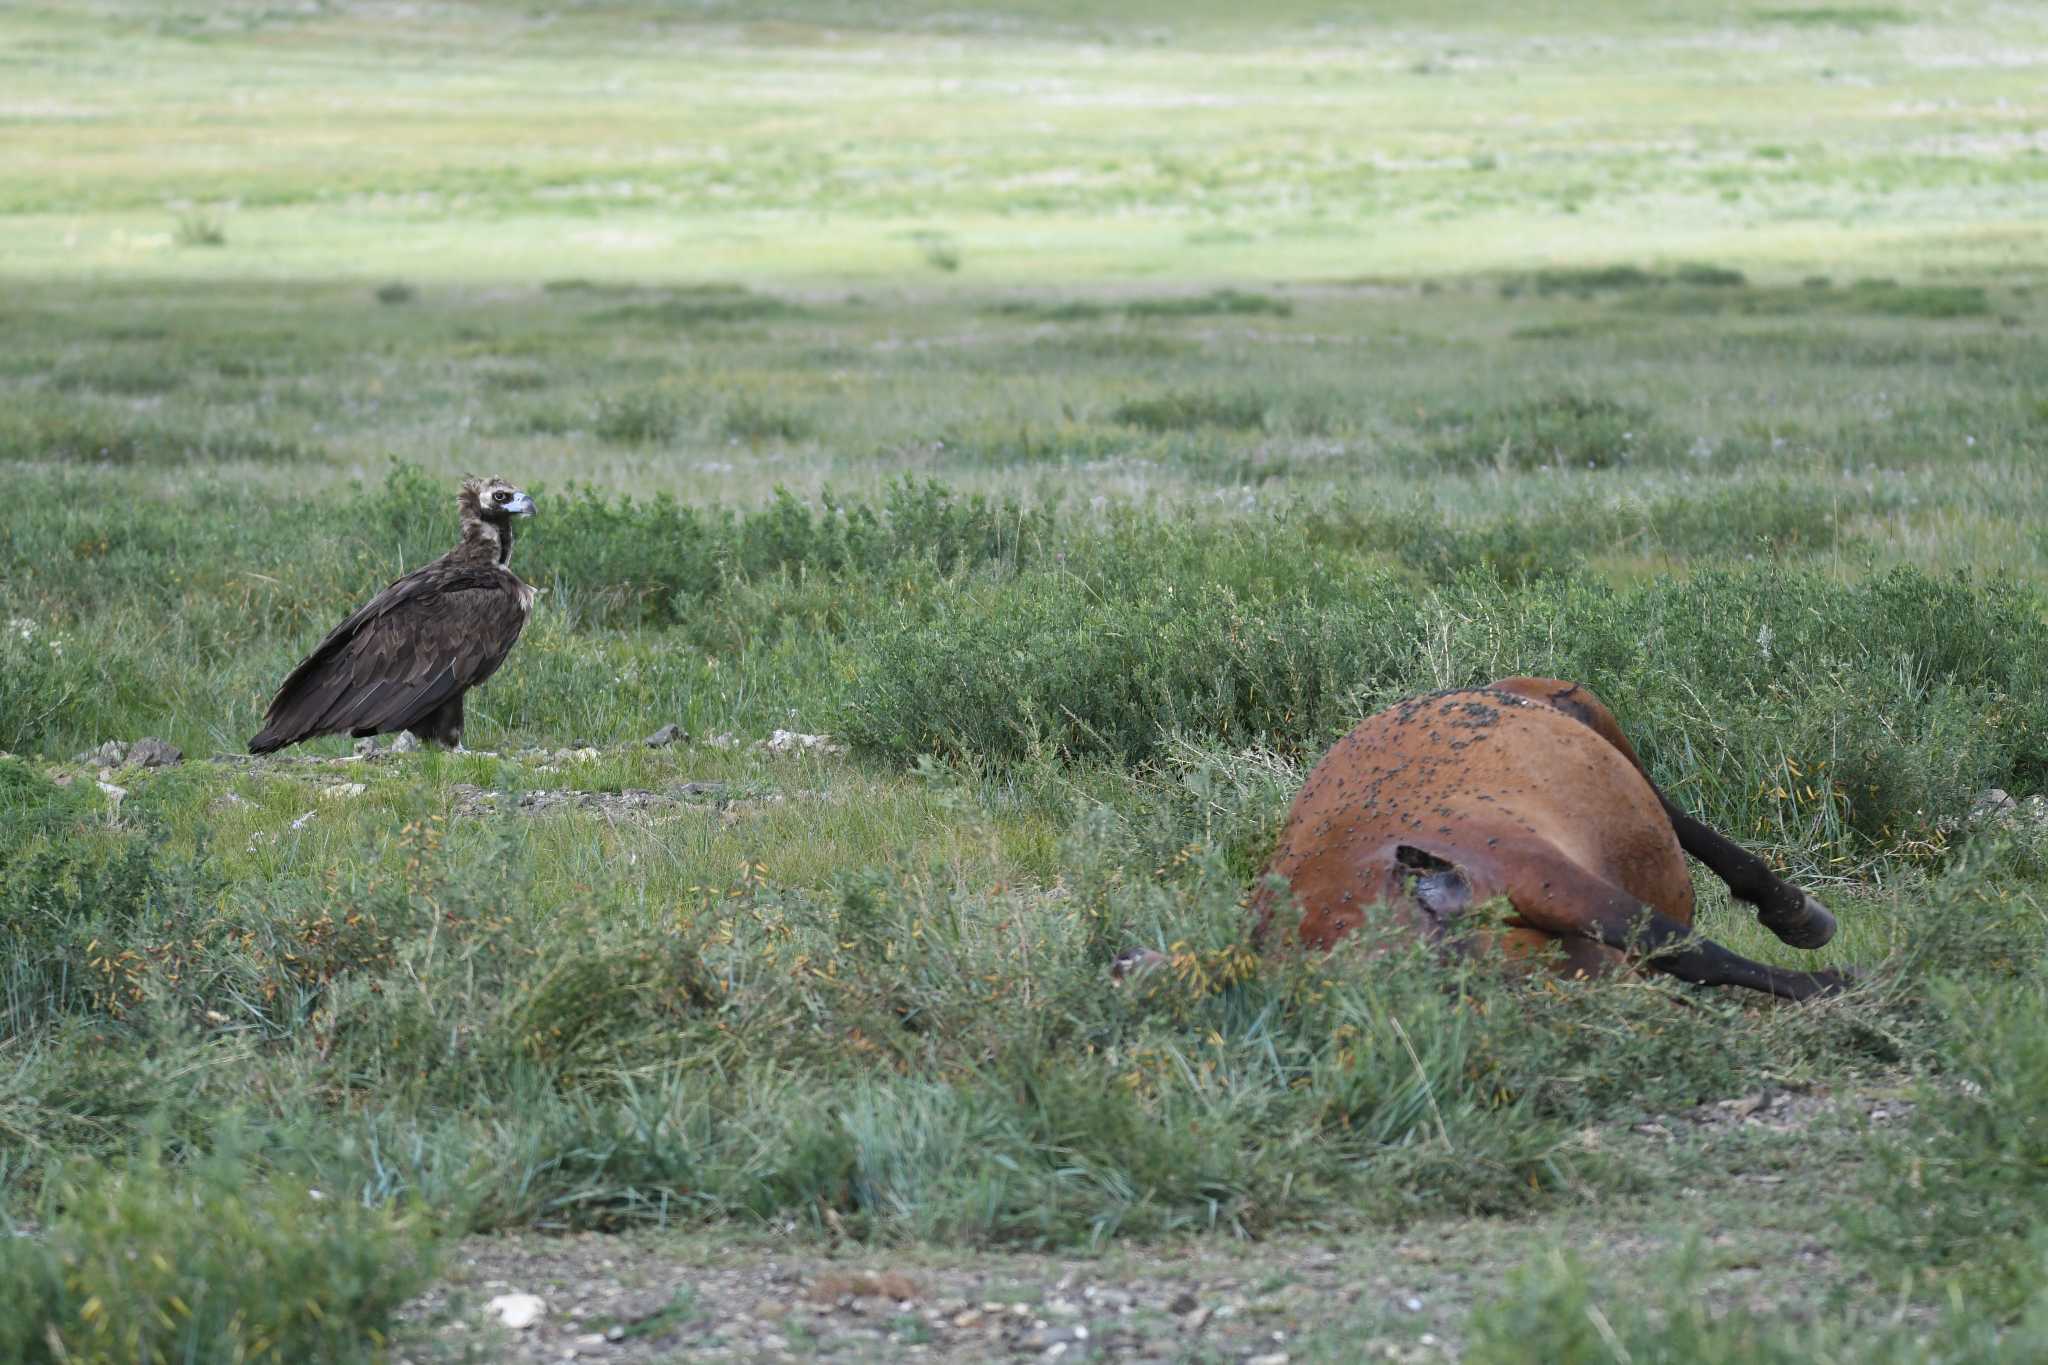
<point>494,501</point>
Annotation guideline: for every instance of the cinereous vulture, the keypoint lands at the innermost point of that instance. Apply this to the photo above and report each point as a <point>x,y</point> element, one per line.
<point>404,660</point>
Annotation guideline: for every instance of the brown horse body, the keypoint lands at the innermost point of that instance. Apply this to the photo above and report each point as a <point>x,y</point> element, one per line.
<point>1525,790</point>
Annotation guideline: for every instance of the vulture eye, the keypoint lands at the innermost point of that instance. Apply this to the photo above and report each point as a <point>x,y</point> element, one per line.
<point>501,496</point>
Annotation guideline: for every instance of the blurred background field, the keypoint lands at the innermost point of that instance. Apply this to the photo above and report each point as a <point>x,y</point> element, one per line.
<point>1084,413</point>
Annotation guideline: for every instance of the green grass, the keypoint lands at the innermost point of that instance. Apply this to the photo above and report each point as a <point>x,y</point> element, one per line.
<point>1081,418</point>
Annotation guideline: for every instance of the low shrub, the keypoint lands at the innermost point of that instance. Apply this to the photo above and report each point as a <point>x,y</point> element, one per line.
<point>1954,1201</point>
<point>1192,409</point>
<point>1554,1309</point>
<point>638,417</point>
<point>144,1262</point>
<point>1217,301</point>
<point>1558,431</point>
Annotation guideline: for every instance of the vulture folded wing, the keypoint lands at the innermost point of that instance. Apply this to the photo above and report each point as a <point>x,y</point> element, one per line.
<point>421,642</point>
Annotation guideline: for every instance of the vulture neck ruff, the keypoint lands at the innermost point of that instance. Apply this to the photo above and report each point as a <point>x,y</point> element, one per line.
<point>486,536</point>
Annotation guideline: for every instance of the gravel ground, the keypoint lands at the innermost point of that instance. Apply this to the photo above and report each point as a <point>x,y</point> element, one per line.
<point>625,1299</point>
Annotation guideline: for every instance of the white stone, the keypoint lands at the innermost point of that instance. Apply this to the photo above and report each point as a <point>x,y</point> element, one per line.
<point>518,1311</point>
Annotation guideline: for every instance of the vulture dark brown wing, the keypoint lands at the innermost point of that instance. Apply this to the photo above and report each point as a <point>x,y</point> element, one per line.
<point>425,639</point>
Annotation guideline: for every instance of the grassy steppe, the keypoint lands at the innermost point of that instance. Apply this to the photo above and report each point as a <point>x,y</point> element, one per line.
<point>1084,418</point>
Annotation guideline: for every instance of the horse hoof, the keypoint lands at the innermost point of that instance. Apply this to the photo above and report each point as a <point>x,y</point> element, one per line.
<point>1811,927</point>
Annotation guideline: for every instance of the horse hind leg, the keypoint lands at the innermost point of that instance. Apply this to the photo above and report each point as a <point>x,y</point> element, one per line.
<point>1790,913</point>
<point>1793,915</point>
<point>1557,895</point>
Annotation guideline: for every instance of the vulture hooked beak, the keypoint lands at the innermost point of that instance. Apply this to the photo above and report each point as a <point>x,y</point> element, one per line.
<point>521,505</point>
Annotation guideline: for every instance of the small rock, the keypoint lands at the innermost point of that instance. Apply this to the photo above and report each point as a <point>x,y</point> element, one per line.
<point>1047,1339</point>
<point>114,794</point>
<point>518,1311</point>
<point>407,742</point>
<point>790,742</point>
<point>1272,1358</point>
<point>151,752</point>
<point>1183,1303</point>
<point>366,747</point>
<point>108,755</point>
<point>970,1318</point>
<point>1991,801</point>
<point>667,735</point>
<point>342,791</point>
<point>1747,1105</point>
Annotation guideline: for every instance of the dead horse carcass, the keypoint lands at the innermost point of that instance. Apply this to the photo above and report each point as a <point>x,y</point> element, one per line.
<point>1528,790</point>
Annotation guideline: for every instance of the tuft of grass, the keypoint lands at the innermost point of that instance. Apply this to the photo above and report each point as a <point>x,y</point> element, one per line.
<point>1055,310</point>
<point>1192,410</point>
<point>1704,276</point>
<point>753,418</point>
<point>395,292</point>
<point>638,417</point>
<point>1589,280</point>
<point>1557,431</point>
<point>938,250</point>
<point>1935,301</point>
<point>688,306</point>
<point>1860,17</point>
<point>1239,302</point>
<point>199,229</point>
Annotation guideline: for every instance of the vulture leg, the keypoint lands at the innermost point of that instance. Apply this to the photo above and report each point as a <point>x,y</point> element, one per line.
<point>443,724</point>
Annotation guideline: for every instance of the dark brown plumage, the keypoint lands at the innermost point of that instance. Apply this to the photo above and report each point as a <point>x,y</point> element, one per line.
<point>405,659</point>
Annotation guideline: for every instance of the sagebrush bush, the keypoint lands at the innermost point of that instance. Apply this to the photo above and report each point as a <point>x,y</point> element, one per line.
<point>1192,409</point>
<point>1034,666</point>
<point>82,904</point>
<point>1557,431</point>
<point>145,1262</point>
<point>638,417</point>
<point>1821,720</point>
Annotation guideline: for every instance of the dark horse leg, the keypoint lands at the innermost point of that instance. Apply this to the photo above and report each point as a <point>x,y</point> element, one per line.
<point>1562,898</point>
<point>1793,915</point>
